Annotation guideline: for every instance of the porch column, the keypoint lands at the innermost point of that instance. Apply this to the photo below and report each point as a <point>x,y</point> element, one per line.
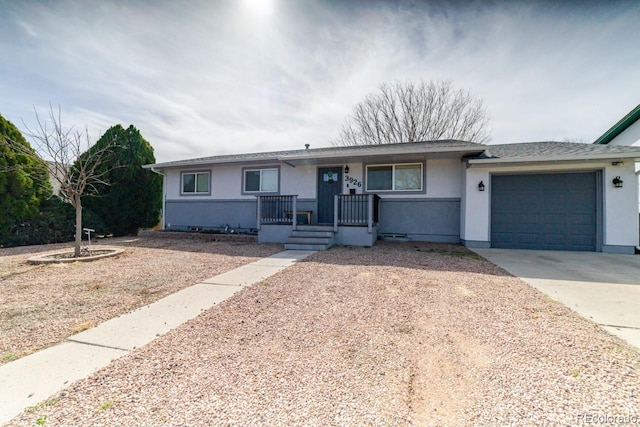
<point>294,208</point>
<point>259,219</point>
<point>335,213</point>
<point>370,213</point>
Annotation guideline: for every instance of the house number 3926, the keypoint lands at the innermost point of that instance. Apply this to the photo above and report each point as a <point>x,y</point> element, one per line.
<point>353,181</point>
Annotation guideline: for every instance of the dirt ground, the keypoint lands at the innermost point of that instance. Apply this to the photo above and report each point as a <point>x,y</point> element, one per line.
<point>398,334</point>
<point>44,304</point>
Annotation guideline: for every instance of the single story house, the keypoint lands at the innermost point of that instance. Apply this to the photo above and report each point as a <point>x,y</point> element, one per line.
<point>539,195</point>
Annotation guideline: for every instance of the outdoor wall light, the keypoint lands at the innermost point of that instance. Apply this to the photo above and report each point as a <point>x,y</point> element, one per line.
<point>617,182</point>
<point>481,186</point>
<point>346,169</point>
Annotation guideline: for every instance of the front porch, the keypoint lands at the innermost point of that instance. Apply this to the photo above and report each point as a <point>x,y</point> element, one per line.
<point>355,222</point>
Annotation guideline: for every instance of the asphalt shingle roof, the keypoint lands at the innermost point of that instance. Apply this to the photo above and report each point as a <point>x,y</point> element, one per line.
<point>361,150</point>
<point>550,149</point>
<point>526,151</point>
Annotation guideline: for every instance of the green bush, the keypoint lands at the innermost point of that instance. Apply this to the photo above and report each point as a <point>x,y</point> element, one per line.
<point>54,224</point>
<point>133,198</point>
<point>24,180</point>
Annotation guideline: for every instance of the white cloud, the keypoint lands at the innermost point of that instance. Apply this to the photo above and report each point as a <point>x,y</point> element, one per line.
<point>207,78</point>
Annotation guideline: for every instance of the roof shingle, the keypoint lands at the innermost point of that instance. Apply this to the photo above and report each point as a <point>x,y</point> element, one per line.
<point>361,150</point>
<point>525,151</point>
<point>549,149</point>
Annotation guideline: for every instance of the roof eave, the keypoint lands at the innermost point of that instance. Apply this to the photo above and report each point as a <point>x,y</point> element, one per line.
<point>594,157</point>
<point>390,152</point>
<point>319,156</point>
<point>204,162</point>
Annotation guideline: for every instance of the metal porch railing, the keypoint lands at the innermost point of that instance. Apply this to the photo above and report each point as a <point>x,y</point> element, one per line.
<point>277,210</point>
<point>356,210</point>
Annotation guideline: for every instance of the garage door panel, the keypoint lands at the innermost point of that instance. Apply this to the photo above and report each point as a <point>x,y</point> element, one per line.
<point>553,219</point>
<point>526,205</point>
<point>504,228</point>
<point>503,239</point>
<point>584,240</point>
<point>552,228</point>
<point>578,236</point>
<point>524,219</point>
<point>554,189</point>
<point>548,208</point>
<point>581,220</point>
<point>517,223</point>
<point>503,205</point>
<point>582,202</point>
<point>526,238</point>
<point>516,203</point>
<point>544,211</point>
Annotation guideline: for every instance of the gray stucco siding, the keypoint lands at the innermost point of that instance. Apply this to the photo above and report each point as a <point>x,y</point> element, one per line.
<point>618,249</point>
<point>432,220</point>
<point>436,220</point>
<point>213,214</point>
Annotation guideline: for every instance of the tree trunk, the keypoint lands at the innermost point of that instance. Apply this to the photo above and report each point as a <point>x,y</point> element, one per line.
<point>78,242</point>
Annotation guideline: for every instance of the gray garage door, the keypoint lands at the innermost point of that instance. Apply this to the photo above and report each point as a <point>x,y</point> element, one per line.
<point>544,211</point>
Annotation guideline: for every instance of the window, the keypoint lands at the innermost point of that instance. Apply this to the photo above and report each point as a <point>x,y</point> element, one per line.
<point>195,183</point>
<point>261,180</point>
<point>400,177</point>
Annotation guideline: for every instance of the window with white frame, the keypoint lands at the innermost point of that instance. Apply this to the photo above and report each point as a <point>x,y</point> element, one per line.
<point>195,182</point>
<point>395,177</point>
<point>261,180</point>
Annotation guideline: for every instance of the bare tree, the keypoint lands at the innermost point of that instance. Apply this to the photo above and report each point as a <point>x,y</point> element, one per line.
<point>409,112</point>
<point>74,163</point>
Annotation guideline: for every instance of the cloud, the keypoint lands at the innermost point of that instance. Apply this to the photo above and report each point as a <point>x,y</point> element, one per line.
<point>204,78</point>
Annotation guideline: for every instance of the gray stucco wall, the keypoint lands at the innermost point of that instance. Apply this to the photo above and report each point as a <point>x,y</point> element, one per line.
<point>618,249</point>
<point>357,236</point>
<point>213,214</point>
<point>431,220</point>
<point>274,233</point>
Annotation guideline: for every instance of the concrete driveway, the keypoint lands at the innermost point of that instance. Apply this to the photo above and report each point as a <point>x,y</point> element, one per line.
<point>604,288</point>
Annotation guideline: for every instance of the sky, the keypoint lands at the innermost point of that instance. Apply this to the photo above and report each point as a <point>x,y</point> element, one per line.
<point>201,78</point>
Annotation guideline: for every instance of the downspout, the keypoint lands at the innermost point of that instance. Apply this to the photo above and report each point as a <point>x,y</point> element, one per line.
<point>164,195</point>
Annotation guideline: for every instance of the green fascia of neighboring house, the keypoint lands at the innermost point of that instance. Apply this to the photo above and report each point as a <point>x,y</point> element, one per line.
<point>619,127</point>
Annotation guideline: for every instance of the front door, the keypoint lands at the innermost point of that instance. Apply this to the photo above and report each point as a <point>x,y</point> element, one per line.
<point>329,184</point>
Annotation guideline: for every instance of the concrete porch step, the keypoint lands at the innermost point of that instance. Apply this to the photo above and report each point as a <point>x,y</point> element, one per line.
<point>314,228</point>
<point>306,247</point>
<point>310,240</point>
<point>303,233</point>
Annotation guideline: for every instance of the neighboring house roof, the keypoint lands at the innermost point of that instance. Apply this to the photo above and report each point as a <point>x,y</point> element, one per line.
<point>621,126</point>
<point>361,151</point>
<point>552,151</point>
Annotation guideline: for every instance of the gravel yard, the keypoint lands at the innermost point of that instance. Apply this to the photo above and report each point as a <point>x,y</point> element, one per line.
<point>44,304</point>
<point>398,334</point>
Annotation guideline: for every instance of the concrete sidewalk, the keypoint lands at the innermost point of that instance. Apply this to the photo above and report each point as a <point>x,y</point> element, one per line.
<point>34,378</point>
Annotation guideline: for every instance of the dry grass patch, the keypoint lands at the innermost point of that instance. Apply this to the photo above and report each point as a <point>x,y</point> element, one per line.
<point>44,304</point>
<point>83,326</point>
